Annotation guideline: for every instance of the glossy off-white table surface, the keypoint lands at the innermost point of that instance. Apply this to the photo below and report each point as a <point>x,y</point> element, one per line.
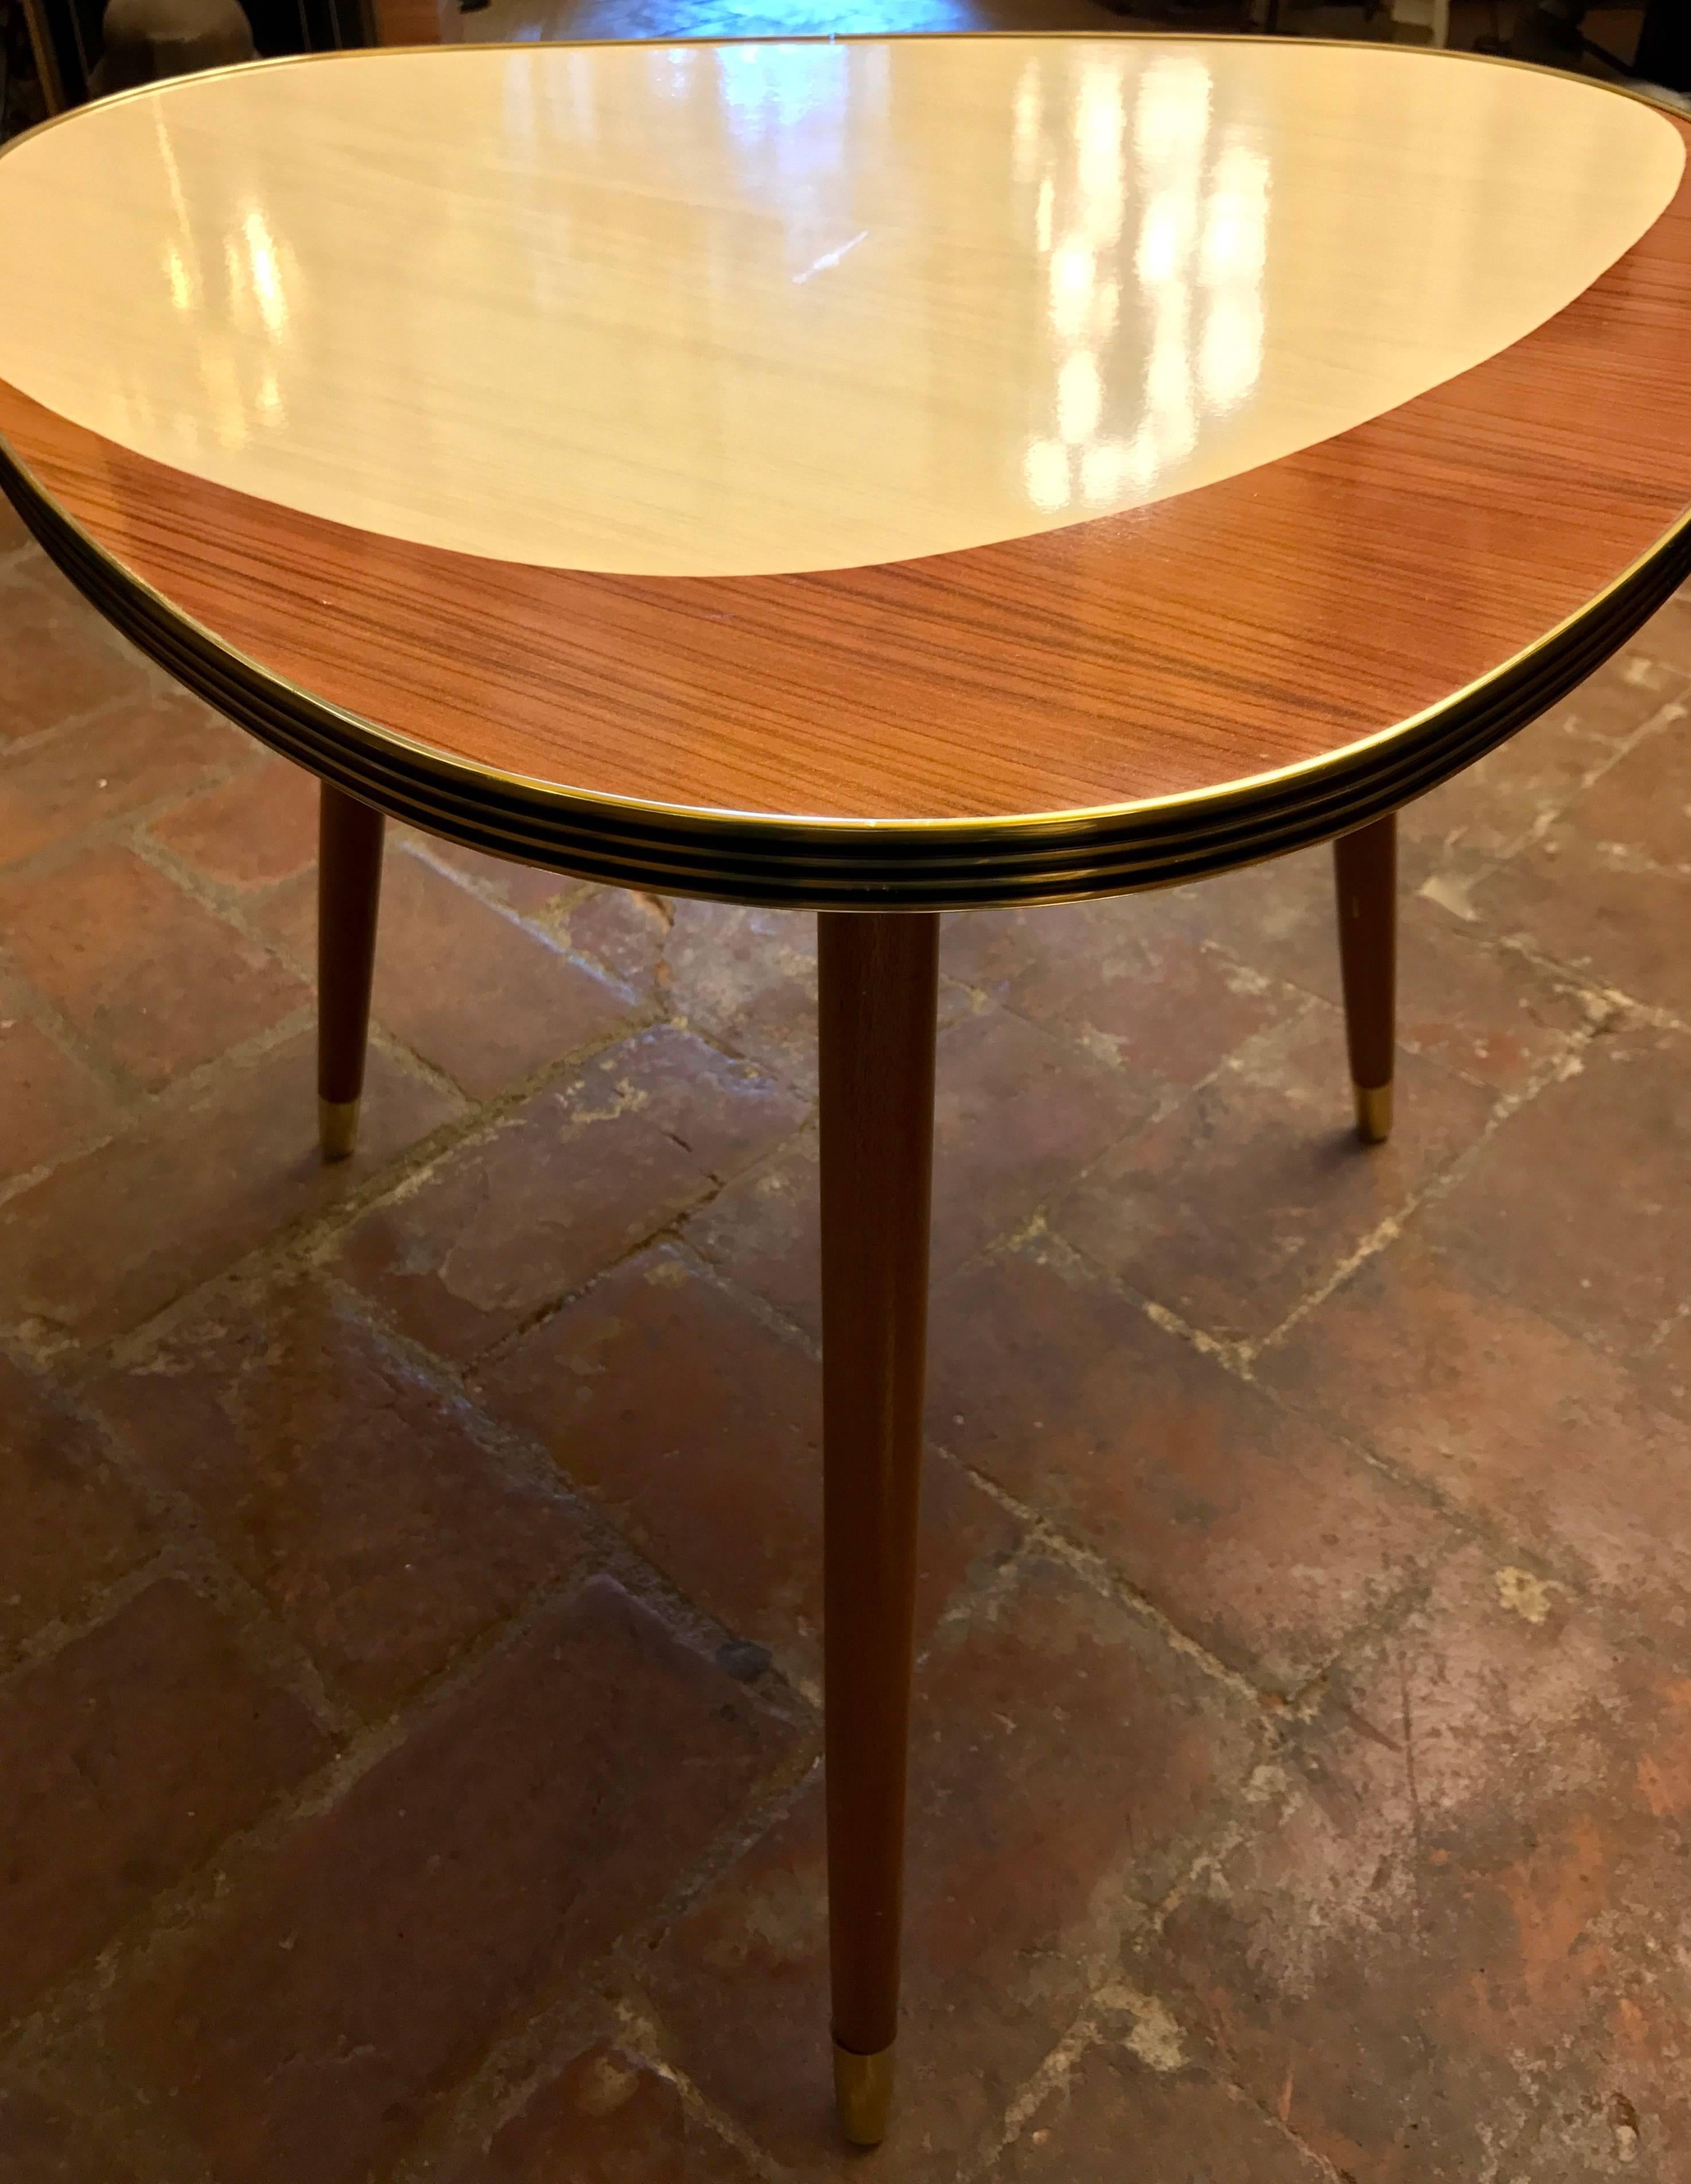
<point>693,311</point>
<point>927,470</point>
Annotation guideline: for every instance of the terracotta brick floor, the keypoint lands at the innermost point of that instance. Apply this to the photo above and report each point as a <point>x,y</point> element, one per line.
<point>409,1585</point>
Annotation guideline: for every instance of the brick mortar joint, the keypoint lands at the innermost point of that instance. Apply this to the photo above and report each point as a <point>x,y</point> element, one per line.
<point>122,829</point>
<point>175,1919</point>
<point>140,1102</point>
<point>1555,1067</point>
<point>525,1459</point>
<point>1044,1540</point>
<point>666,1234</point>
<point>1468,1527</point>
<point>116,1082</point>
<point>191,1551</point>
<point>302,1246</point>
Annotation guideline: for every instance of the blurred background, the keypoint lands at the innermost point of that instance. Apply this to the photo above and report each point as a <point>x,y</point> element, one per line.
<point>51,50</point>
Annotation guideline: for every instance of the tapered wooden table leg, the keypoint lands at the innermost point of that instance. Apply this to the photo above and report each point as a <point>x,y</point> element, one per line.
<point>1365,869</point>
<point>879,981</point>
<point>348,893</point>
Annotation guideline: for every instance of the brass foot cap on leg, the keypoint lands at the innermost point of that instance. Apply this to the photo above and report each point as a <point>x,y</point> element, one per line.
<point>863,2093</point>
<point>337,1127</point>
<point>1373,1113</point>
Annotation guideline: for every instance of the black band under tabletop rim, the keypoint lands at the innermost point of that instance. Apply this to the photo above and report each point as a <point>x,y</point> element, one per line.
<point>821,864</point>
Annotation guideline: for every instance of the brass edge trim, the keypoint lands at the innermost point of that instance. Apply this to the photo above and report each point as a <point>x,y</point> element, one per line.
<point>979,838</point>
<point>1096,36</point>
<point>787,836</point>
<point>845,867</point>
<point>1333,813</point>
<point>351,54</point>
<point>854,870</point>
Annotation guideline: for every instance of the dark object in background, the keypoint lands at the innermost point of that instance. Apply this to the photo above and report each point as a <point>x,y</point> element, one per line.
<point>1188,14</point>
<point>1663,54</point>
<point>71,32</point>
<point>23,97</point>
<point>1553,31</point>
<point>1550,32</point>
<point>145,40</point>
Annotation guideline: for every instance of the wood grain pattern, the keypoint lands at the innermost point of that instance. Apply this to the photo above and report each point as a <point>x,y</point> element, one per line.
<point>877,983</point>
<point>1287,653</point>
<point>1365,890</point>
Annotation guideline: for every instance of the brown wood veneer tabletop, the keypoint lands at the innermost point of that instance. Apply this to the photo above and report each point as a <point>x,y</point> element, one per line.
<point>873,472</point>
